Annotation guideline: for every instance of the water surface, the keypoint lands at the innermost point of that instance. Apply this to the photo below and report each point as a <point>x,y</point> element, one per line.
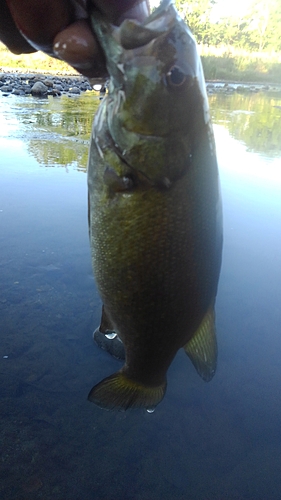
<point>204,441</point>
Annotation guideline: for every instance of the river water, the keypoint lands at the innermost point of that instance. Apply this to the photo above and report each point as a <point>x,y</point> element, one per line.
<point>211,441</point>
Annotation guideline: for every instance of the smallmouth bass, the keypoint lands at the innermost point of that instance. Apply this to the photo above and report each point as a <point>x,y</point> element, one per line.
<point>154,206</point>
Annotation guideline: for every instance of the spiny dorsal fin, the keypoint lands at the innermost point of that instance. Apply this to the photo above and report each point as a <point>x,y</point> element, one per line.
<point>202,348</point>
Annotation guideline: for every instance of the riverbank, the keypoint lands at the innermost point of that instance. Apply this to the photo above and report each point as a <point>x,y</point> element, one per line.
<point>50,84</point>
<point>42,85</point>
<point>226,64</point>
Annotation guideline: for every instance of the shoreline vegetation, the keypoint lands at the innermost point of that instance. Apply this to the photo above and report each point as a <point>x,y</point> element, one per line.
<point>234,64</point>
<point>36,62</point>
<point>228,64</point>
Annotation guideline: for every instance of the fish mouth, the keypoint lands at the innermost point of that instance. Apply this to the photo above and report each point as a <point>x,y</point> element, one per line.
<point>133,34</point>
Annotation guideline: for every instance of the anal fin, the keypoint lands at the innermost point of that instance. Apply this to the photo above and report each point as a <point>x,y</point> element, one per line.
<point>202,348</point>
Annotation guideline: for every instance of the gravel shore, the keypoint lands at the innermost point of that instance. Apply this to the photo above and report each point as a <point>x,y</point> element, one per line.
<point>42,85</point>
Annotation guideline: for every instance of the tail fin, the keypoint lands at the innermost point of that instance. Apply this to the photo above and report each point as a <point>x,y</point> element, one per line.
<point>119,392</point>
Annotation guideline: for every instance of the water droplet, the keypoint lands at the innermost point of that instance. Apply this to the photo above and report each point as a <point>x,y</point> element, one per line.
<point>150,410</point>
<point>111,335</point>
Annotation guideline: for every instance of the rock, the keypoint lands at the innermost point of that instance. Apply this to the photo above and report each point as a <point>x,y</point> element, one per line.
<point>28,76</point>
<point>18,92</point>
<point>58,87</point>
<point>54,91</point>
<point>74,90</point>
<point>84,86</point>
<point>6,88</point>
<point>39,89</point>
<point>48,82</point>
<point>38,78</point>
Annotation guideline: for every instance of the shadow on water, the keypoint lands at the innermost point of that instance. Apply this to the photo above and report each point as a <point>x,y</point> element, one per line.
<point>204,441</point>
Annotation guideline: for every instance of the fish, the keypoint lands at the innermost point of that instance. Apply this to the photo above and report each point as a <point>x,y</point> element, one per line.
<point>155,217</point>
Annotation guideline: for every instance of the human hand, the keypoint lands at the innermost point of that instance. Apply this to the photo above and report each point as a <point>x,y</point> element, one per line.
<point>61,28</point>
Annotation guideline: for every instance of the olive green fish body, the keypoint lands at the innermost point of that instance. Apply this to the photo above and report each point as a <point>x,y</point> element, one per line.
<point>154,206</point>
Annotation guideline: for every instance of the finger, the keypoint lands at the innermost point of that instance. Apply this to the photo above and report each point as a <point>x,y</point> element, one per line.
<point>9,33</point>
<point>117,11</point>
<point>40,21</point>
<point>77,46</point>
<point>80,8</point>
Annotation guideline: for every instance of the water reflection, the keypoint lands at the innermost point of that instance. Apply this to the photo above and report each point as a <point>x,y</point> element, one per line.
<point>214,441</point>
<point>56,130</point>
<point>253,119</point>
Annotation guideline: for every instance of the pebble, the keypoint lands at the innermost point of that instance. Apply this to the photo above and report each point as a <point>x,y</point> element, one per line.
<point>229,88</point>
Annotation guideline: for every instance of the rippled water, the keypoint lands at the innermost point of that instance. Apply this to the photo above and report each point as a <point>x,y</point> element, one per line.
<point>204,441</point>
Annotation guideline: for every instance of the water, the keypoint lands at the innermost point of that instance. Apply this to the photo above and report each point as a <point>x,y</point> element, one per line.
<point>211,441</point>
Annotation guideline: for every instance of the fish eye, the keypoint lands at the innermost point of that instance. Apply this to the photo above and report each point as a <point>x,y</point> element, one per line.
<point>175,77</point>
<point>128,182</point>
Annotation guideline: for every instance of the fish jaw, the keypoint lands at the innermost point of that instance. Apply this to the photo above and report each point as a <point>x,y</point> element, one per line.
<point>167,42</point>
<point>146,109</point>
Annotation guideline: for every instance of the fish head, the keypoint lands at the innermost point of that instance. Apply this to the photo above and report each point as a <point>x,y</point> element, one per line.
<point>156,104</point>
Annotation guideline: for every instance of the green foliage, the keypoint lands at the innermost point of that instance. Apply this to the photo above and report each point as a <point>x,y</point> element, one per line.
<point>232,43</point>
<point>197,15</point>
<point>256,29</point>
<point>32,62</point>
<point>240,65</point>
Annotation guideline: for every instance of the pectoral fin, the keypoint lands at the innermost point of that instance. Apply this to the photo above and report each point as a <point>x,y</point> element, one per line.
<point>106,337</point>
<point>202,348</point>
